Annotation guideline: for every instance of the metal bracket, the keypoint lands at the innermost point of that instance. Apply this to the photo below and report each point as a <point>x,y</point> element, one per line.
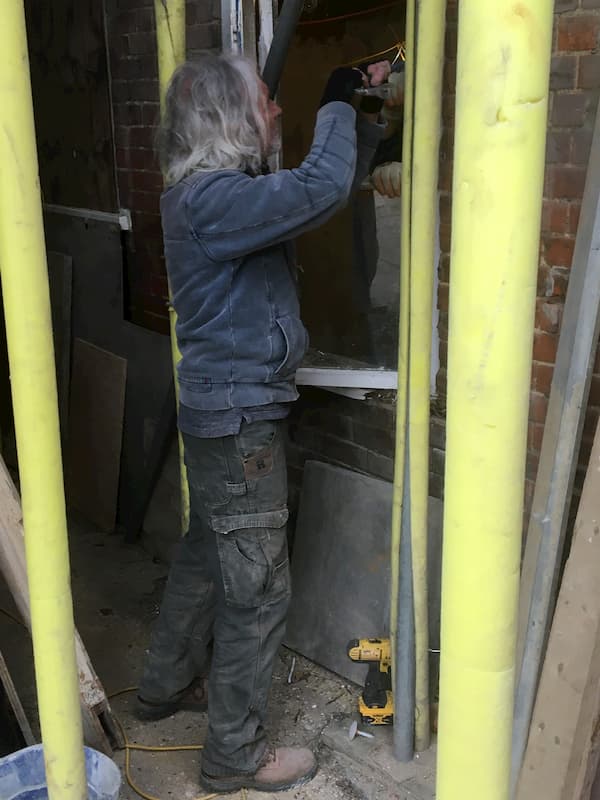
<point>122,218</point>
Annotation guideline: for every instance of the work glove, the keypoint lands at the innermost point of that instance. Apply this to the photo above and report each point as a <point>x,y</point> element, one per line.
<point>394,105</point>
<point>341,85</point>
<point>387,179</point>
<point>371,105</point>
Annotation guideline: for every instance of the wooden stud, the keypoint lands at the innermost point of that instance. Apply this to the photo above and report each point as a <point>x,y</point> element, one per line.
<point>562,754</point>
<point>98,724</point>
<point>559,454</point>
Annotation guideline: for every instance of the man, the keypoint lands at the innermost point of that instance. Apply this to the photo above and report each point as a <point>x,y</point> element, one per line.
<point>227,228</point>
<point>386,180</point>
<point>387,164</point>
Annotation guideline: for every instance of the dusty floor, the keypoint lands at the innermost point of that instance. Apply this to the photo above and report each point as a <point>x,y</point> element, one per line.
<point>117,589</point>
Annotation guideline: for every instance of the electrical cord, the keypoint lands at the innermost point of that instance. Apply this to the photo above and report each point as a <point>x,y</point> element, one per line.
<point>129,747</point>
<point>342,17</point>
<point>398,46</point>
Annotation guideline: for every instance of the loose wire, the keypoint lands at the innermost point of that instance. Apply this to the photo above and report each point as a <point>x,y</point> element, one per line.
<point>399,46</point>
<point>129,747</point>
<point>342,17</point>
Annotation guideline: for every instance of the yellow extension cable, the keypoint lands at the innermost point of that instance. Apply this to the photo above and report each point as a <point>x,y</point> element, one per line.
<point>128,747</point>
<point>399,47</point>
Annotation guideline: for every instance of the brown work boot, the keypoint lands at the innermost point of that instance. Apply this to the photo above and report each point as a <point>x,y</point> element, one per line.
<point>280,769</point>
<point>192,698</point>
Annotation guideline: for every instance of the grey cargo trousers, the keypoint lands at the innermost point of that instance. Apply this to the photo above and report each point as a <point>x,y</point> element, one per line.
<point>229,583</point>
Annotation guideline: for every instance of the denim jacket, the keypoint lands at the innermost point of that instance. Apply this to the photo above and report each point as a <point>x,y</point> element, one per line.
<point>231,266</point>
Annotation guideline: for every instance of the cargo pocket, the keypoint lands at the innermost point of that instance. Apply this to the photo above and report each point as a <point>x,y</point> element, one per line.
<point>254,557</point>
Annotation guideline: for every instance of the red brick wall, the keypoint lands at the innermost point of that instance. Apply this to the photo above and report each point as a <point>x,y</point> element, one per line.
<point>134,73</point>
<point>445,186</point>
<point>575,86</point>
<point>574,89</point>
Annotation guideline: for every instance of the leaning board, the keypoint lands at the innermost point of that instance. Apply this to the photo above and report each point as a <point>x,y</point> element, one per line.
<point>341,565</point>
<point>15,731</point>
<point>95,432</point>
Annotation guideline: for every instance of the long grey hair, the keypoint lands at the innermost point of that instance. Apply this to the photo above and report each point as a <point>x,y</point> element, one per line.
<point>212,118</point>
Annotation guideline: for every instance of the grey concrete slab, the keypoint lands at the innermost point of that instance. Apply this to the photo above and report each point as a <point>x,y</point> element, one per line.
<point>340,566</point>
<point>415,778</point>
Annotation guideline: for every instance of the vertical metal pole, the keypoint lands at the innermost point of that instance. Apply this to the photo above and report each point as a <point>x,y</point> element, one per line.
<point>501,107</point>
<point>404,654</point>
<point>170,37</point>
<point>280,44</point>
<point>424,197</point>
<point>33,381</point>
<point>558,459</point>
<point>267,24</point>
<point>403,667</point>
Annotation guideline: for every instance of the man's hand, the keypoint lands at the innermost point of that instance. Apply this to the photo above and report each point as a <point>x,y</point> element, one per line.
<point>378,73</point>
<point>396,81</point>
<point>344,80</point>
<point>374,75</point>
<point>387,179</point>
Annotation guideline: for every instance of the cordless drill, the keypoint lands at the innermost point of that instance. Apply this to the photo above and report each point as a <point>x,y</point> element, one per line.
<point>376,704</point>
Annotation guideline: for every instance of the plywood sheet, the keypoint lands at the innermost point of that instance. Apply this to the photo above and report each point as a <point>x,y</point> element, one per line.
<point>97,317</point>
<point>12,567</point>
<point>563,749</point>
<point>95,432</point>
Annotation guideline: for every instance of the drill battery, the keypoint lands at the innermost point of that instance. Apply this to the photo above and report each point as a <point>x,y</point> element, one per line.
<point>376,704</point>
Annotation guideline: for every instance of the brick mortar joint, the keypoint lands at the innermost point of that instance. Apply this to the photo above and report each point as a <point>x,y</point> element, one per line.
<point>578,12</point>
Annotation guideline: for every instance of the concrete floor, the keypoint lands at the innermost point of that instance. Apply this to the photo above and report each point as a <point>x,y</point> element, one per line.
<point>117,590</point>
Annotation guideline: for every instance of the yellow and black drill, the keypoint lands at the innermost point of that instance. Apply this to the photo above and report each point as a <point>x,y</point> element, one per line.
<point>376,704</point>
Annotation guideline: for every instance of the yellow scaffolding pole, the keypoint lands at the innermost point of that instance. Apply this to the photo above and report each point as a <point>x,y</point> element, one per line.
<point>33,380</point>
<point>423,212</point>
<point>170,37</point>
<point>501,106</point>
<point>399,680</point>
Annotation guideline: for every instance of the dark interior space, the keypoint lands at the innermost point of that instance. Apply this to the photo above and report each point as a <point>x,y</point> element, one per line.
<point>339,317</point>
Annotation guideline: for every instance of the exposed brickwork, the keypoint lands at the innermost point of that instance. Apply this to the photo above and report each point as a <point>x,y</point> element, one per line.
<point>445,185</point>
<point>134,71</point>
<point>574,90</point>
<point>575,85</point>
<point>352,434</point>
<point>329,427</point>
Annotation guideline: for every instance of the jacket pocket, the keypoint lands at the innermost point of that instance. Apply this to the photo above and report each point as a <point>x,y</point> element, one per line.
<point>296,344</point>
<point>195,384</point>
<point>253,555</point>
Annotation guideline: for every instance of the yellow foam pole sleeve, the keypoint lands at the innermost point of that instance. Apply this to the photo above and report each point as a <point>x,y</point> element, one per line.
<point>403,331</point>
<point>33,382</point>
<point>170,38</point>
<point>431,16</point>
<point>501,106</point>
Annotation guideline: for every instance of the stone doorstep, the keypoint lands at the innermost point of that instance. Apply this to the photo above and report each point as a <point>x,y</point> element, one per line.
<point>416,778</point>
